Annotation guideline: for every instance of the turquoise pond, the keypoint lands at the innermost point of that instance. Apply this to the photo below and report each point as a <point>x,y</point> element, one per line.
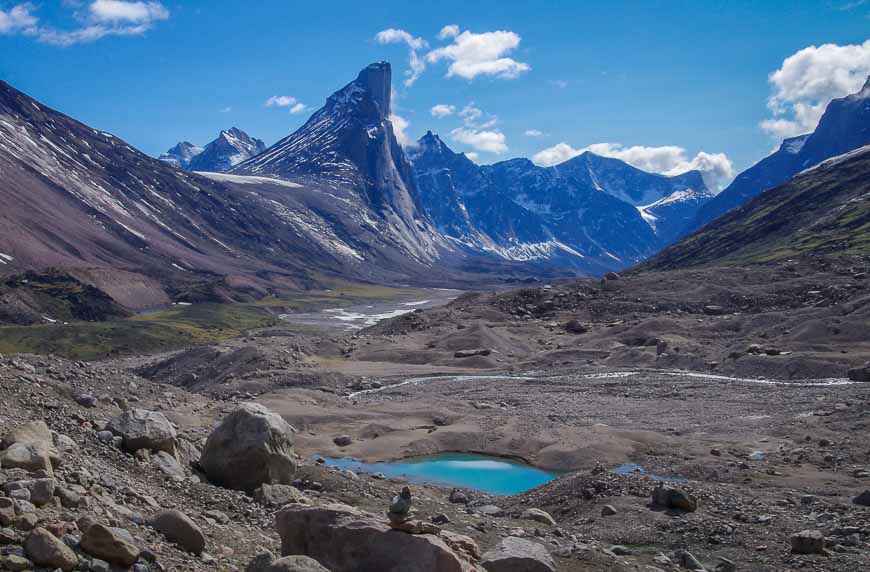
<point>493,475</point>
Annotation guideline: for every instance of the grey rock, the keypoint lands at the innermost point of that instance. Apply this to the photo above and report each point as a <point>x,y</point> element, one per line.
<point>808,542</point>
<point>110,545</point>
<point>863,499</point>
<point>44,549</point>
<point>279,495</point>
<point>538,515</point>
<point>343,440</point>
<point>250,447</point>
<point>178,528</point>
<point>514,554</point>
<point>296,564</point>
<point>143,429</point>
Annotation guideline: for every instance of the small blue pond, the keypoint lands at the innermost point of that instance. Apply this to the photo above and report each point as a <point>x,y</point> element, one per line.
<point>493,475</point>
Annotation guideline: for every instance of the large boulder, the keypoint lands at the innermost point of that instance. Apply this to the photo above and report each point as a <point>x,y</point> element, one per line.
<point>863,499</point>
<point>279,495</point>
<point>296,564</point>
<point>48,551</point>
<point>669,497</point>
<point>30,446</point>
<point>179,529</point>
<point>808,542</point>
<point>143,429</point>
<point>110,545</point>
<point>514,554</point>
<point>345,539</point>
<point>250,447</point>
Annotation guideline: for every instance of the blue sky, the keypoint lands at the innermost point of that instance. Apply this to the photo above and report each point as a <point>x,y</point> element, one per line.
<point>655,83</point>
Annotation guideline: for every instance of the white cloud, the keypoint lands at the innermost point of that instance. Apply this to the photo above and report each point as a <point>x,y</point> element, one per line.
<point>280,101</point>
<point>808,80</point>
<point>442,110</point>
<point>416,65</point>
<point>470,114</point>
<point>534,133</point>
<point>102,18</point>
<point>480,139</point>
<point>294,104</point>
<point>18,19</point>
<point>449,31</point>
<point>471,55</point>
<point>131,12</point>
<point>472,155</point>
<point>400,124</point>
<point>670,160</point>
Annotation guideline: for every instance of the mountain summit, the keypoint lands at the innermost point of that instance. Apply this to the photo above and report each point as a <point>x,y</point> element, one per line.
<point>230,148</point>
<point>349,144</point>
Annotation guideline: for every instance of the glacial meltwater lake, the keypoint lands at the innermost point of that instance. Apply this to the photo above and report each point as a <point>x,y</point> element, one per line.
<point>488,474</point>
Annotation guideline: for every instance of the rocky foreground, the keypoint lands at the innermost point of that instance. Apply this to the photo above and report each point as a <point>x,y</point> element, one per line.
<point>101,469</point>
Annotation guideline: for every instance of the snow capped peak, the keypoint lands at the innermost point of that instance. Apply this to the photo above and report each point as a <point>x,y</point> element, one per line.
<point>230,148</point>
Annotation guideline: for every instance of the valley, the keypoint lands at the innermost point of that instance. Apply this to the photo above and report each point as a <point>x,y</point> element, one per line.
<point>238,354</point>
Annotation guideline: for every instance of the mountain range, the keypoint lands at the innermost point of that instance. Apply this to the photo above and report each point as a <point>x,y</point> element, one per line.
<point>341,198</point>
<point>229,149</point>
<point>822,210</point>
<point>844,126</point>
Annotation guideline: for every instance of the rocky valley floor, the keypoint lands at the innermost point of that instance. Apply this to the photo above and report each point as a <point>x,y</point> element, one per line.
<point>735,383</point>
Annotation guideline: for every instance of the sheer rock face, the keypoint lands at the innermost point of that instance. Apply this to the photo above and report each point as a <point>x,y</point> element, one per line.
<point>345,539</point>
<point>349,143</point>
<point>252,446</point>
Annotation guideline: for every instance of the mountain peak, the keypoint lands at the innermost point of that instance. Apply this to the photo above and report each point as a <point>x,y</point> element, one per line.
<point>377,79</point>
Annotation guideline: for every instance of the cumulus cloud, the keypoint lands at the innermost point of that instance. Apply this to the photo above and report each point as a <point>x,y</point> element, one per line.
<point>400,124</point>
<point>480,139</point>
<point>18,19</point>
<point>442,110</point>
<point>286,101</point>
<point>99,19</point>
<point>534,133</point>
<point>449,31</point>
<point>416,65</point>
<point>808,80</point>
<point>471,55</point>
<point>131,12</point>
<point>670,160</point>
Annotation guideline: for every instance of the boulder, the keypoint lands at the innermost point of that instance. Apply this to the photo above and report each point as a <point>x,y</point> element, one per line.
<point>7,511</point>
<point>668,497</point>
<point>108,544</point>
<point>514,554</point>
<point>169,466</point>
<point>179,529</point>
<point>250,447</point>
<point>863,499</point>
<point>714,310</point>
<point>345,539</point>
<point>538,515</point>
<point>143,429</point>
<point>808,542</point>
<point>608,510</point>
<point>296,564</point>
<point>343,440</point>
<point>279,495</point>
<point>260,562</point>
<point>48,551</point>
<point>30,446</point>
<point>576,327</point>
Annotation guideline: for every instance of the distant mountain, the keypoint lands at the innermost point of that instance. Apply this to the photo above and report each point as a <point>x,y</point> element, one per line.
<point>823,210</point>
<point>181,155</point>
<point>231,147</point>
<point>590,213</point>
<point>349,144</point>
<point>844,126</point>
<point>144,232</point>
